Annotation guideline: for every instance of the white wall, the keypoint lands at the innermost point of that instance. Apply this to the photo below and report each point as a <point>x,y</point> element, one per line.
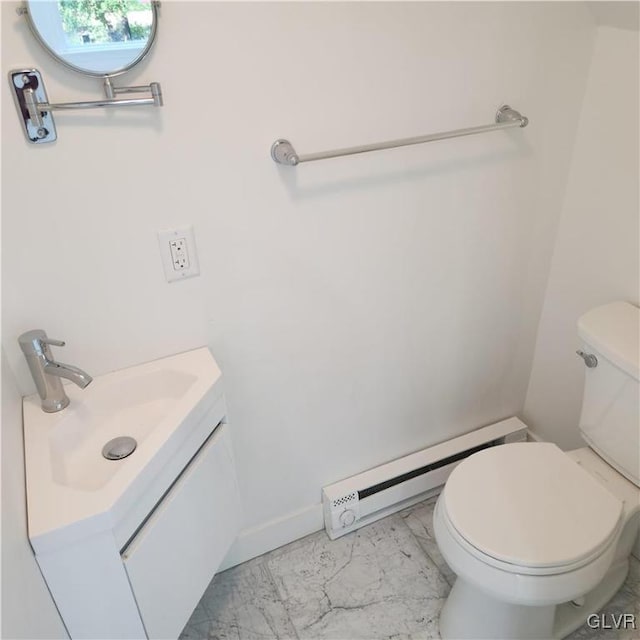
<point>360,308</point>
<point>27,609</point>
<point>616,13</point>
<point>596,258</point>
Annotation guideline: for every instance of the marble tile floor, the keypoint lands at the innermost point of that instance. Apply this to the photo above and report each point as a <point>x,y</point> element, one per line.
<point>386,580</point>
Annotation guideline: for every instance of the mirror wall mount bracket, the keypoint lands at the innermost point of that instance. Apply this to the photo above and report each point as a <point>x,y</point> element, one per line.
<point>28,93</point>
<point>35,109</point>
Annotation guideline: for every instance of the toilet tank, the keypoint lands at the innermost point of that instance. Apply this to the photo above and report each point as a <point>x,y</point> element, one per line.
<point>610,417</point>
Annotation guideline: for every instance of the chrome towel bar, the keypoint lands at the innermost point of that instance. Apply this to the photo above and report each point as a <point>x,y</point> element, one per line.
<point>282,151</point>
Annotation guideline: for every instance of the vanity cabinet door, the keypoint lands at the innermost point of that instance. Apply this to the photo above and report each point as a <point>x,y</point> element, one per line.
<point>174,556</point>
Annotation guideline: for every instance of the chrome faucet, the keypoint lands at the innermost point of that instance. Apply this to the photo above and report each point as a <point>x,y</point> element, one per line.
<point>47,372</point>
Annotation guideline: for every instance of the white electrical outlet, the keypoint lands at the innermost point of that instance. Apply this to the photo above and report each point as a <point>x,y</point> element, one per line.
<point>179,254</point>
<point>178,251</point>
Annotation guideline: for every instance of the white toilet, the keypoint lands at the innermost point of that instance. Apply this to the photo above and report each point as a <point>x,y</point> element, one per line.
<point>539,538</point>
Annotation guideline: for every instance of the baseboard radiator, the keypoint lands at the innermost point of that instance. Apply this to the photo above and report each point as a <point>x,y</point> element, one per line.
<point>374,494</point>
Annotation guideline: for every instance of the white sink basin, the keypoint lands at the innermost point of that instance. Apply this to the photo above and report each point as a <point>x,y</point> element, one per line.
<point>168,406</point>
<point>111,408</point>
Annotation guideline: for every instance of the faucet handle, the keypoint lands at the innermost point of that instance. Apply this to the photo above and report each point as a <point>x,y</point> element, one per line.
<point>52,342</point>
<point>35,342</point>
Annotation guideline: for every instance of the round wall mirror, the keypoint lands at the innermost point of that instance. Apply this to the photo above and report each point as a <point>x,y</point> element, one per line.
<point>95,37</point>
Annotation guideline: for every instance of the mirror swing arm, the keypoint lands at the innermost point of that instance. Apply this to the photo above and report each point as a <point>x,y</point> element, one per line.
<point>34,108</point>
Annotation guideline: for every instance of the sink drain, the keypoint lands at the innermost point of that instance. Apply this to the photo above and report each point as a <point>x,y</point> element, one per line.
<point>119,448</point>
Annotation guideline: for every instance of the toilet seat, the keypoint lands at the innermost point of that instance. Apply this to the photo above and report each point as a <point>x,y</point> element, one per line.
<point>521,570</point>
<point>528,508</point>
<point>514,584</point>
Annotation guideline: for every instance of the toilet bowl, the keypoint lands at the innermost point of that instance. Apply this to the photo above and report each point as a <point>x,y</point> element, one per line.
<point>525,529</point>
<point>540,539</point>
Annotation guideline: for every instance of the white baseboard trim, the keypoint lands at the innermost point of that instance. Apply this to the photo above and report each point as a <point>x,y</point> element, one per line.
<point>272,534</point>
<point>532,436</point>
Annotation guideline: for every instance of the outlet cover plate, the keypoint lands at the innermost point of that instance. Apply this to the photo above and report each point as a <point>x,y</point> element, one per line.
<point>179,255</point>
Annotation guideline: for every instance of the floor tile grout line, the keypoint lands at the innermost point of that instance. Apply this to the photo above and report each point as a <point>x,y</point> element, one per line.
<point>265,563</point>
<point>424,551</point>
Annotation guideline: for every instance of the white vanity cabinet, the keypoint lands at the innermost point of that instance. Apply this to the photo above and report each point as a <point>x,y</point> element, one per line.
<point>175,554</point>
<point>128,547</point>
<point>151,587</point>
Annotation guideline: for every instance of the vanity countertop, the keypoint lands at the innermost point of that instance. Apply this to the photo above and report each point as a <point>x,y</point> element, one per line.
<point>170,406</point>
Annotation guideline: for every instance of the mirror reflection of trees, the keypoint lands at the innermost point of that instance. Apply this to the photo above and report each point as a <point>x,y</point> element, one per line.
<point>103,21</point>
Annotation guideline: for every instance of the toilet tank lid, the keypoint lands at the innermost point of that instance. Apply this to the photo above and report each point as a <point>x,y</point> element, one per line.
<point>614,331</point>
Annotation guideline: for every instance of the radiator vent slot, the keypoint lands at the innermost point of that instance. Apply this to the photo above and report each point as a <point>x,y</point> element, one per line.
<point>364,493</point>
